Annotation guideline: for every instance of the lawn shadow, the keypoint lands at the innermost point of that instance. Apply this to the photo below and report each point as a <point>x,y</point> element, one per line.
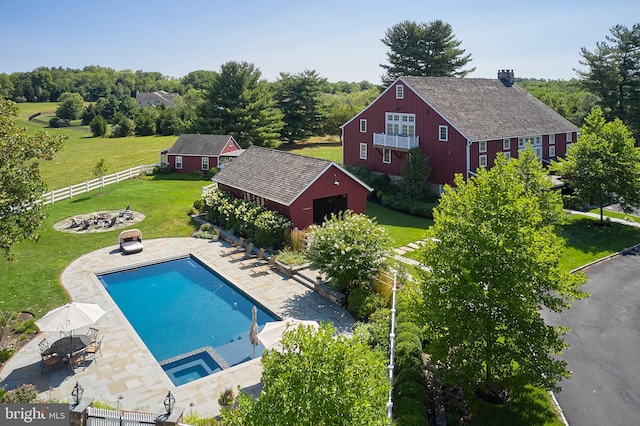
<point>585,235</point>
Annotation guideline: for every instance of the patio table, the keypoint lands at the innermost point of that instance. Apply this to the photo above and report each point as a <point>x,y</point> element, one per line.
<point>68,345</point>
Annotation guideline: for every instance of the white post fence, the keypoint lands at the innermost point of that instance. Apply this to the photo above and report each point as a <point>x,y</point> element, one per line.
<point>101,182</point>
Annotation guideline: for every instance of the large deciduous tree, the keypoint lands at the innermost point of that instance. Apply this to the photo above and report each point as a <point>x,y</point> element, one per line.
<point>603,166</point>
<point>613,74</point>
<point>424,50</point>
<point>20,183</point>
<point>299,99</point>
<point>70,106</point>
<point>494,258</point>
<point>350,248</point>
<point>318,378</point>
<point>240,104</point>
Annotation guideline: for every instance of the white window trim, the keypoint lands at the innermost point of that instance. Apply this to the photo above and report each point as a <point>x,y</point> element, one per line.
<point>399,91</point>
<point>506,144</point>
<point>507,155</point>
<point>363,125</point>
<point>205,163</point>
<point>482,159</point>
<point>363,149</point>
<point>386,152</point>
<point>178,162</point>
<point>552,139</point>
<point>446,133</point>
<point>402,122</point>
<point>552,151</point>
<point>482,146</point>
<point>568,137</point>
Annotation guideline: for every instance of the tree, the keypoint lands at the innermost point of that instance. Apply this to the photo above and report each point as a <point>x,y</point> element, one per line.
<point>299,99</point>
<point>349,248</point>
<point>70,107</point>
<point>20,182</point>
<point>494,259</point>
<point>98,126</point>
<point>145,122</point>
<point>424,50</point>
<point>100,169</point>
<point>603,166</point>
<point>240,104</point>
<point>318,379</point>
<point>613,74</point>
<point>415,175</point>
<point>124,126</point>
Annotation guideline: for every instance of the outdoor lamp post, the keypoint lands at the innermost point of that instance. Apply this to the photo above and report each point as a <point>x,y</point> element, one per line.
<point>169,402</point>
<point>77,392</point>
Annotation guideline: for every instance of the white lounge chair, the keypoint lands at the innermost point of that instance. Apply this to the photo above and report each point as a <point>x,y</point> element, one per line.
<point>130,241</point>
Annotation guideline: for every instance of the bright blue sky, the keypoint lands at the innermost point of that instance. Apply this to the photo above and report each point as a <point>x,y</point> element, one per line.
<point>338,39</point>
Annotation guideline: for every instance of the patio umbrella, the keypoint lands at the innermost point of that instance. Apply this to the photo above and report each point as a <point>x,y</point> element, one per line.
<point>253,330</point>
<point>272,332</point>
<point>70,317</point>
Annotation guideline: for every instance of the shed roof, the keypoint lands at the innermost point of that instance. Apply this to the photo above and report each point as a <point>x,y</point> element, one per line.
<point>194,144</point>
<point>484,109</point>
<point>275,175</point>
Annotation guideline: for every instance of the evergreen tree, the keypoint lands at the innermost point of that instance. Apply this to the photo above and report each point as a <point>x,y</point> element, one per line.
<point>424,50</point>
<point>299,99</point>
<point>613,74</point>
<point>414,183</point>
<point>240,104</point>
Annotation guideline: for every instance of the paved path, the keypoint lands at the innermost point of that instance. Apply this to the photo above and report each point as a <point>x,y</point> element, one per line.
<point>126,367</point>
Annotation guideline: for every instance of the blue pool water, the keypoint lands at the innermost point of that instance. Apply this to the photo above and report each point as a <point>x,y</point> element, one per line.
<point>179,306</point>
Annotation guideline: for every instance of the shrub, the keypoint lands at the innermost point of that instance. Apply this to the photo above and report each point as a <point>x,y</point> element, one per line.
<point>409,375</point>
<point>292,257</point>
<point>5,354</point>
<point>165,169</point>
<point>226,398</point>
<point>409,327</point>
<point>21,395</point>
<point>411,389</point>
<point>362,302</point>
<point>411,420</point>
<point>409,407</point>
<point>408,337</point>
<point>98,126</point>
<point>408,349</point>
<point>56,122</point>
<point>26,327</point>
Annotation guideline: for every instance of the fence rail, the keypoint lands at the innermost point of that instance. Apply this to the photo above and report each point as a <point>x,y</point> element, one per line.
<point>81,188</point>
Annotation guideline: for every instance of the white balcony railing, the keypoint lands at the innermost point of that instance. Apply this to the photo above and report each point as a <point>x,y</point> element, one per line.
<point>395,141</point>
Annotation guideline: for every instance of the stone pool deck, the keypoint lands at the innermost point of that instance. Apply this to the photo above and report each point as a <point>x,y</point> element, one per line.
<point>127,375</point>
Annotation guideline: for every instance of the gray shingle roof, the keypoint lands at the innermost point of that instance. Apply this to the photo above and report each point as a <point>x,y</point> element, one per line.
<point>272,174</point>
<point>484,109</point>
<point>210,145</point>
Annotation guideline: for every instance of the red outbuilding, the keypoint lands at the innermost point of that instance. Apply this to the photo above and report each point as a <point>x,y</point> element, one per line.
<point>192,153</point>
<point>303,189</point>
<point>461,124</point>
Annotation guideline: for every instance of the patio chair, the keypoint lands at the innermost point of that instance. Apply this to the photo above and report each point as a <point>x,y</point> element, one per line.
<point>130,241</point>
<point>265,267</point>
<point>247,254</point>
<point>45,347</point>
<point>66,334</point>
<point>93,334</point>
<point>236,248</point>
<point>258,257</point>
<point>94,348</point>
<point>77,359</point>
<point>49,362</point>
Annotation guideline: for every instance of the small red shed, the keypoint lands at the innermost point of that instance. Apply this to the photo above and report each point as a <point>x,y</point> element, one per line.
<point>193,152</point>
<point>303,189</point>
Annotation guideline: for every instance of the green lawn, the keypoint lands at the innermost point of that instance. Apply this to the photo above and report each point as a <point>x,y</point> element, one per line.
<point>331,151</point>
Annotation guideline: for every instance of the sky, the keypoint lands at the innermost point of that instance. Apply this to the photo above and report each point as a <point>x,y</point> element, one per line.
<point>340,40</point>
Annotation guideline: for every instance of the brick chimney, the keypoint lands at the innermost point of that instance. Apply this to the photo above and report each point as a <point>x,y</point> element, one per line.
<point>506,77</point>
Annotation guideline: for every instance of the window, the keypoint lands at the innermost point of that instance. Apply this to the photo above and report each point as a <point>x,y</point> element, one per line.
<point>443,133</point>
<point>552,151</point>
<point>363,125</point>
<point>533,140</point>
<point>401,124</point>
<point>568,137</point>
<point>482,146</point>
<point>386,156</point>
<point>363,151</point>
<point>552,139</point>
<point>205,163</point>
<point>399,91</point>
<point>506,144</point>
<point>507,155</point>
<point>178,162</point>
<point>482,160</point>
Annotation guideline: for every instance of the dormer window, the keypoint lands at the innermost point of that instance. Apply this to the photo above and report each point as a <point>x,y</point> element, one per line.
<point>399,91</point>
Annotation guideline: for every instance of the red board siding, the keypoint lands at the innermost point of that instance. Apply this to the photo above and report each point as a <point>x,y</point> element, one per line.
<point>190,164</point>
<point>446,158</point>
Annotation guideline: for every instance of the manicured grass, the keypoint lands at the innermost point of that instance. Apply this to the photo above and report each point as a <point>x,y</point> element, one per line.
<point>402,228</point>
<point>31,282</point>
<point>527,407</point>
<point>617,215</point>
<point>331,151</point>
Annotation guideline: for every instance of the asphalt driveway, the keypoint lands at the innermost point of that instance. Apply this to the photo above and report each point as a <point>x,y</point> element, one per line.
<point>604,353</point>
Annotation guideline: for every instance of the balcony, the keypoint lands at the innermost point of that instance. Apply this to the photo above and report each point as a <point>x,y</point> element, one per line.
<point>404,143</point>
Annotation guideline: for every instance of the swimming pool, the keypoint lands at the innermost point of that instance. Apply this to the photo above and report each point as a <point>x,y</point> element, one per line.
<point>180,306</point>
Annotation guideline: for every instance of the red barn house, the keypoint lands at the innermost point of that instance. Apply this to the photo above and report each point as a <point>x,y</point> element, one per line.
<point>192,153</point>
<point>459,123</point>
<point>303,189</point>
